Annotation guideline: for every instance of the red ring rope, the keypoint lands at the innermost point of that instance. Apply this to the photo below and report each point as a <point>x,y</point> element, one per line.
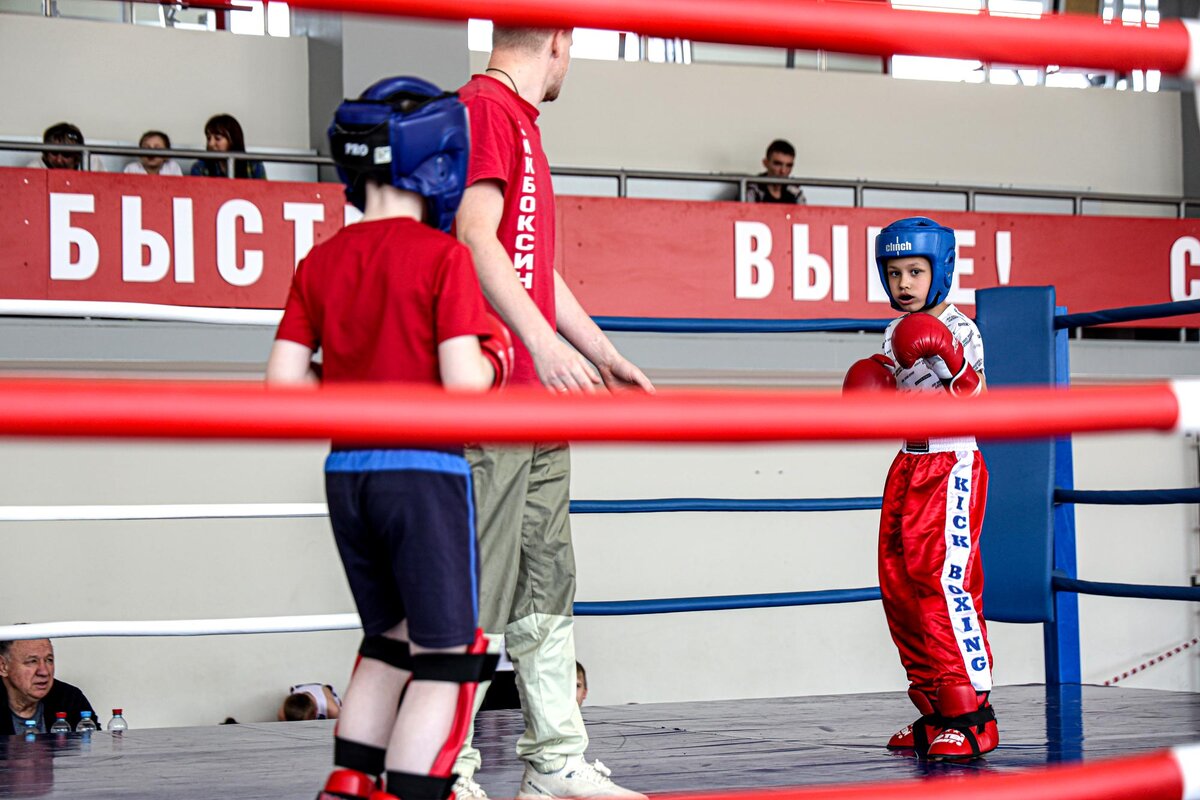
<point>1158,776</point>
<point>869,28</point>
<point>416,415</point>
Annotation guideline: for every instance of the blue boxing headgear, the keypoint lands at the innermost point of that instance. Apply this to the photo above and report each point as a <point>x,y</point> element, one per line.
<point>918,236</point>
<point>404,132</point>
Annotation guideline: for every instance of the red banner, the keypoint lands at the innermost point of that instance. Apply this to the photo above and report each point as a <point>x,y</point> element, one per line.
<point>215,243</point>
<point>203,242</point>
<point>737,260</point>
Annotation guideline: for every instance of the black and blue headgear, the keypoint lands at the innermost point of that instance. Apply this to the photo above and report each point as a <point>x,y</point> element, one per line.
<point>918,236</point>
<point>404,132</point>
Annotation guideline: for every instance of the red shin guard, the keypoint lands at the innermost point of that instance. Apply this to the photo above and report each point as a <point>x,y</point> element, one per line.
<point>476,666</point>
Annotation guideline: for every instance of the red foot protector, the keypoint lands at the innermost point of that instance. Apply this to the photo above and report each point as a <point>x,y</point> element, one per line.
<point>347,784</point>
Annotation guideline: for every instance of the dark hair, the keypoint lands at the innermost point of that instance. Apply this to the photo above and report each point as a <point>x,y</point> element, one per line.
<point>582,673</point>
<point>159,134</point>
<point>299,706</point>
<point>5,647</point>
<point>62,133</point>
<point>227,125</point>
<point>781,146</point>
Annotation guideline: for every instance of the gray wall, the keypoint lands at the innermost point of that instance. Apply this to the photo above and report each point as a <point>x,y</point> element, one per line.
<point>850,125</point>
<point>635,115</point>
<point>115,81</point>
<point>183,570</point>
<point>349,52</point>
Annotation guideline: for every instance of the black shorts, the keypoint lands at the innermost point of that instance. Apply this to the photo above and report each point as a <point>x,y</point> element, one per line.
<point>404,523</point>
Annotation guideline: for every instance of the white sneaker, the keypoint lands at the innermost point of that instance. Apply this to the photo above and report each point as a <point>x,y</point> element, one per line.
<point>465,788</point>
<point>576,779</point>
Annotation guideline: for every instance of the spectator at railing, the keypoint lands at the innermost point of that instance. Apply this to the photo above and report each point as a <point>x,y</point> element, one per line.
<point>30,690</point>
<point>223,134</point>
<point>154,165</point>
<point>63,133</point>
<point>780,159</point>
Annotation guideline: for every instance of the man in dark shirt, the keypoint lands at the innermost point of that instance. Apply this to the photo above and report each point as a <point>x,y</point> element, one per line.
<point>780,159</point>
<point>31,692</point>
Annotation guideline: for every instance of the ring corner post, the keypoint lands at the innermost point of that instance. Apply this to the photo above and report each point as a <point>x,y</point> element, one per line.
<point>1017,325</point>
<point>1061,634</point>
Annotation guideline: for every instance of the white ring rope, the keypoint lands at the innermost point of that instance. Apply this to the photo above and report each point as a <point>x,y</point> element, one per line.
<point>1188,394</point>
<point>182,627</point>
<point>100,513</point>
<point>1188,759</point>
<point>140,311</point>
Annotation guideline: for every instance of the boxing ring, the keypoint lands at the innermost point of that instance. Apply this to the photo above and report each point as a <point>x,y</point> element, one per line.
<point>687,747</point>
<point>739,747</point>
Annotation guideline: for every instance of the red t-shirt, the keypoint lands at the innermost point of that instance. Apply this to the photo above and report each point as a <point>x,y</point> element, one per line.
<point>379,297</point>
<point>506,146</point>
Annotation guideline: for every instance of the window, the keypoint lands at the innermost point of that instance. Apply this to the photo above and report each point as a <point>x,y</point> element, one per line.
<point>261,17</point>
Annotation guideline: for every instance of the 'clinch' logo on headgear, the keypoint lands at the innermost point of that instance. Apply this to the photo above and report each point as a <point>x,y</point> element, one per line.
<point>897,246</point>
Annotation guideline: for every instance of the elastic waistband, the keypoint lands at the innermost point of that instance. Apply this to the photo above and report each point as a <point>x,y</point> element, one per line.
<point>392,460</point>
<point>940,445</point>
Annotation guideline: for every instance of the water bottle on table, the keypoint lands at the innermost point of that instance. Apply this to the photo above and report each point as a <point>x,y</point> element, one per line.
<point>86,723</point>
<point>30,729</point>
<point>117,725</point>
<point>60,723</point>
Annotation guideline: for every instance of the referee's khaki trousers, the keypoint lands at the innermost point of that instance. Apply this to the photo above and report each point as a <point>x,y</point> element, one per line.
<point>526,590</point>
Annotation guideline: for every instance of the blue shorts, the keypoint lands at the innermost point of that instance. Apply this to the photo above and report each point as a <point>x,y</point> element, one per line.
<point>404,523</point>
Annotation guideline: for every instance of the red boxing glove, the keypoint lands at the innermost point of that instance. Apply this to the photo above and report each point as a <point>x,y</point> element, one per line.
<point>874,374</point>
<point>497,347</point>
<point>923,336</point>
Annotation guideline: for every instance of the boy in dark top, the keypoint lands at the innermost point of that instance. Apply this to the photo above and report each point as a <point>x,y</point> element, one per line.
<point>396,299</point>
<point>780,158</point>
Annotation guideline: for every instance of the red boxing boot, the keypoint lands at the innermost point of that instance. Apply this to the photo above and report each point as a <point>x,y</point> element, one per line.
<point>970,725</point>
<point>347,784</point>
<point>918,735</point>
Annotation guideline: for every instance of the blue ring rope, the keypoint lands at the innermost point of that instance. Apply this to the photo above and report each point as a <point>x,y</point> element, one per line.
<point>1131,497</point>
<point>1127,314</point>
<point>674,605</point>
<point>658,505</point>
<point>697,325</point>
<point>1062,583</point>
<point>841,324</point>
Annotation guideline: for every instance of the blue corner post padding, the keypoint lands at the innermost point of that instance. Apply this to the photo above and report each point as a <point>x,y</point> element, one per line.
<point>1017,324</point>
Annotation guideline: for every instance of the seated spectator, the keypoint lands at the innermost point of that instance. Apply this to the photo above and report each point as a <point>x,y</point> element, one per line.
<point>310,701</point>
<point>31,692</point>
<point>580,684</point>
<point>223,134</point>
<point>781,157</point>
<point>154,165</point>
<point>63,133</point>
